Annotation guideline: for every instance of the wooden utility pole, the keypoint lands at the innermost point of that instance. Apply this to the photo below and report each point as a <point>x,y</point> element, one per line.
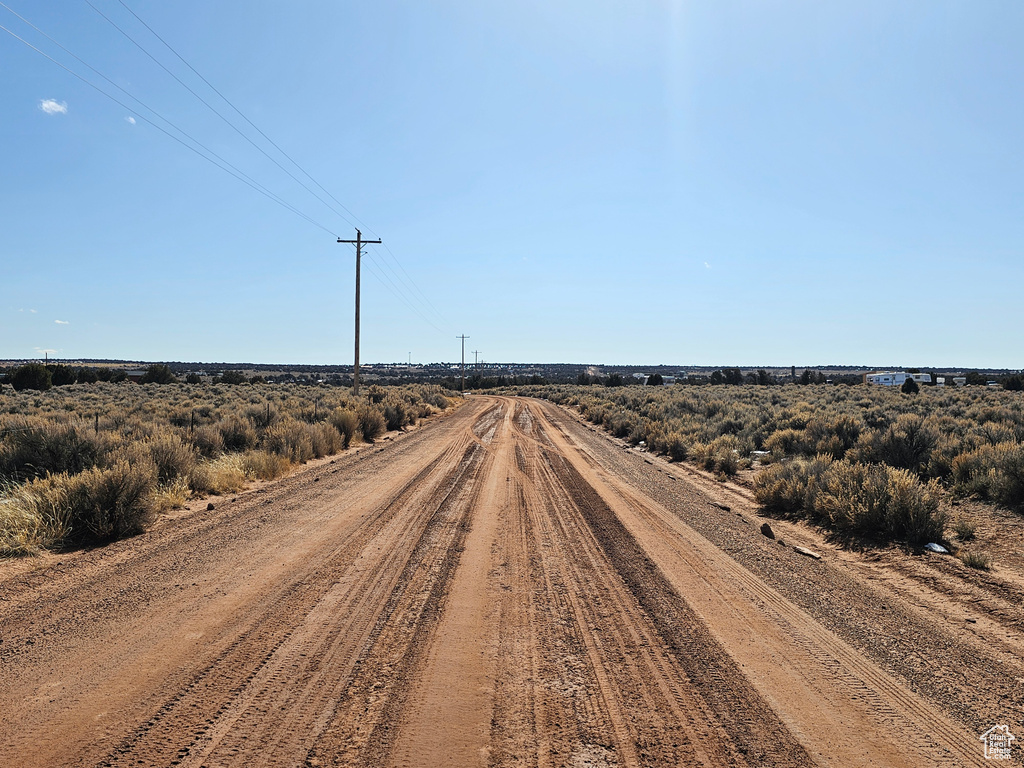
<point>476,360</point>
<point>359,252</point>
<point>463,363</point>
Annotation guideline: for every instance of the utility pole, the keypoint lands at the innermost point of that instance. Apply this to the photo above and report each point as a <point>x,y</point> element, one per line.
<point>359,252</point>
<point>476,361</point>
<point>463,363</point>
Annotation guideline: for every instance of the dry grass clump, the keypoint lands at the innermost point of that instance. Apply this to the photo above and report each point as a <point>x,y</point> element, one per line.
<point>964,530</point>
<point>172,495</point>
<point>975,559</point>
<point>33,516</point>
<point>96,505</point>
<point>94,462</point>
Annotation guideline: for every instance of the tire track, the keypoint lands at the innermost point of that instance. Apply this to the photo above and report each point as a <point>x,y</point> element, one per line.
<point>854,684</point>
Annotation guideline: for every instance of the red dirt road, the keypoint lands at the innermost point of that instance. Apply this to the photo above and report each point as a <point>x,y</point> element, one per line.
<point>501,587</point>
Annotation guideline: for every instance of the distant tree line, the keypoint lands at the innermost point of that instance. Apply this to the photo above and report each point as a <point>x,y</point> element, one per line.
<point>42,377</point>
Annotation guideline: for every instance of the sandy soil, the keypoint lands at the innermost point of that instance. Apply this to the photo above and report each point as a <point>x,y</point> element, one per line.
<point>504,587</point>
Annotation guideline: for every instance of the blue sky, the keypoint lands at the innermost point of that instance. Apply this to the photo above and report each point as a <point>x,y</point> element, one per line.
<point>720,183</point>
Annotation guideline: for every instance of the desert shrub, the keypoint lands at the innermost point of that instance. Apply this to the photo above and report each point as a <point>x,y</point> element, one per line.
<point>291,439</point>
<point>878,502</point>
<point>786,442</point>
<point>907,444</point>
<point>910,387</point>
<point>325,439</point>
<point>912,512</point>
<point>722,455</point>
<point>784,487</point>
<point>371,422</point>
<point>346,422</point>
<point>395,415</point>
<point>832,434</point>
<point>172,457</point>
<point>263,416</point>
<point>850,498</point>
<point>639,432</point>
<point>238,435</point>
<point>112,503</point>
<point>994,472</point>
<point>675,447</point>
<point>208,441</point>
<point>36,448</point>
<point>940,462</point>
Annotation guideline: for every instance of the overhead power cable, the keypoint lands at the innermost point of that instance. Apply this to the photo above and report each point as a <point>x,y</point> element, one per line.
<point>355,221</point>
<point>213,109</point>
<point>348,215</point>
<point>212,157</point>
<point>374,266</point>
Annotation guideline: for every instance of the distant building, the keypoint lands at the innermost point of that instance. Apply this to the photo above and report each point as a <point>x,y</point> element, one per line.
<point>895,378</point>
<point>960,381</point>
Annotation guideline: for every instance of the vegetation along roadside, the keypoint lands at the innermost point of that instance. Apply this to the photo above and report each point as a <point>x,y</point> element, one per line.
<point>94,462</point>
<point>861,461</point>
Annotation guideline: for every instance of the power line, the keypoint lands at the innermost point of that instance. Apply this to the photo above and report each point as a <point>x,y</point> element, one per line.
<point>413,283</point>
<point>250,122</point>
<point>223,164</point>
<point>409,283</point>
<point>408,298</point>
<point>405,288</point>
<point>213,109</point>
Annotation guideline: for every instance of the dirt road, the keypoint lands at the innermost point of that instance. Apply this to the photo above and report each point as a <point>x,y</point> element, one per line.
<point>501,587</point>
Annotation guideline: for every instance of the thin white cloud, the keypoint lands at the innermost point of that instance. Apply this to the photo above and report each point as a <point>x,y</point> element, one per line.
<point>62,322</point>
<point>130,120</point>
<point>32,311</point>
<point>53,107</point>
<point>706,265</point>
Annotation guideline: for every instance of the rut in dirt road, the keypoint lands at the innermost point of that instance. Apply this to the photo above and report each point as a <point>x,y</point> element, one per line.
<point>486,590</point>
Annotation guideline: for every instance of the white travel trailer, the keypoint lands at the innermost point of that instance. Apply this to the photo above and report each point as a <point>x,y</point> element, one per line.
<point>895,378</point>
